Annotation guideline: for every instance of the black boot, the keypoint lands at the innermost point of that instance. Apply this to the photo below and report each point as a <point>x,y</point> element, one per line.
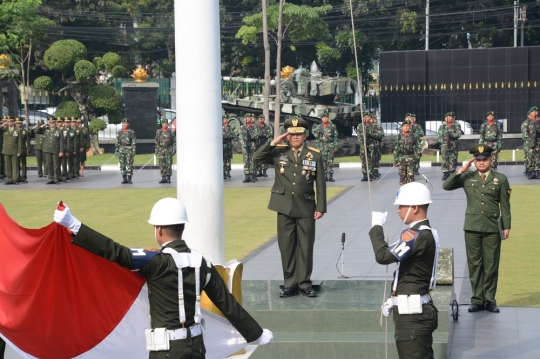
<point>168,179</point>
<point>331,177</point>
<point>228,174</point>
<point>416,172</point>
<point>254,177</point>
<point>247,179</point>
<point>364,179</point>
<point>124,181</point>
<point>326,178</point>
<point>445,175</point>
<point>163,180</point>
<point>129,179</point>
<point>264,173</point>
<point>259,173</point>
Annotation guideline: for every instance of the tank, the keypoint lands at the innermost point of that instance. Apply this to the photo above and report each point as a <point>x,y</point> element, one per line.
<point>305,93</point>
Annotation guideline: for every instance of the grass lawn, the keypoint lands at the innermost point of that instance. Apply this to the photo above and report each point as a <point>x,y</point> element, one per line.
<point>519,282</point>
<point>123,214</point>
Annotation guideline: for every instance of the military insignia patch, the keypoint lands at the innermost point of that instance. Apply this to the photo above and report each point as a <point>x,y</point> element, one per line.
<point>403,247</point>
<point>407,235</point>
<point>294,122</point>
<point>481,149</point>
<point>495,180</point>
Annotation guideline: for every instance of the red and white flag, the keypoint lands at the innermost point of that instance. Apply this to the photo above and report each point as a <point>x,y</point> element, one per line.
<point>58,300</point>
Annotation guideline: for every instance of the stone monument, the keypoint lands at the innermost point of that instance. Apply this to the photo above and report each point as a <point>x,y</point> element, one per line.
<point>8,90</point>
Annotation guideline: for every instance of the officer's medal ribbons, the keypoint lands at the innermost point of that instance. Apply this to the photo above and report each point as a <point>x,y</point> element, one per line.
<point>309,166</point>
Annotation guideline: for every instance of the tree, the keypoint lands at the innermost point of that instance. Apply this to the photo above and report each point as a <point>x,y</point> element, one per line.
<point>20,28</point>
<point>300,23</point>
<point>89,83</point>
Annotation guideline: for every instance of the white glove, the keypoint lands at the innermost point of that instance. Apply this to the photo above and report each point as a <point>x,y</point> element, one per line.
<point>378,218</point>
<point>265,338</point>
<point>387,307</point>
<point>62,216</point>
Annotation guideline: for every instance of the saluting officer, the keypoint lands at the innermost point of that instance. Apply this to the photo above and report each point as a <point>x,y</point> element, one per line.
<point>53,148</point>
<point>175,264</point>
<point>165,150</point>
<point>416,251</point>
<point>491,134</point>
<point>75,135</point>
<point>38,149</point>
<point>25,152</point>
<point>11,149</point>
<point>487,223</point>
<point>84,146</point>
<point>125,150</point>
<point>296,202</point>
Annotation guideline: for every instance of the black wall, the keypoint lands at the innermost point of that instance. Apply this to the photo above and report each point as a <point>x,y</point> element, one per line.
<point>141,109</point>
<point>469,82</point>
<point>10,93</point>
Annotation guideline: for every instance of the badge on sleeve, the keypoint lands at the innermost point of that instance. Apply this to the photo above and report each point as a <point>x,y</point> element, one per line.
<point>404,246</point>
<point>141,256</point>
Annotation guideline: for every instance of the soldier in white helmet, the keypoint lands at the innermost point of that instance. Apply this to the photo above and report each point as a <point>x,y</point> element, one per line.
<point>162,270</point>
<point>416,252</point>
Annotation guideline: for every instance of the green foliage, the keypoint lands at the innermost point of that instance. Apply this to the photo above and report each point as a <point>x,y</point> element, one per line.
<point>115,116</point>
<point>68,109</point>
<point>248,60</point>
<point>78,48</point>
<point>110,60</point>
<point>63,54</point>
<point>98,61</point>
<point>104,99</point>
<point>43,83</point>
<point>84,70</point>
<point>118,72</point>
<point>97,125</point>
<point>408,21</point>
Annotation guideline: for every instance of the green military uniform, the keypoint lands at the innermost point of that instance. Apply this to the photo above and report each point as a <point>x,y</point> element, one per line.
<point>296,201</point>
<point>487,200</point>
<point>367,166</point>
<point>418,131</point>
<point>11,149</point>
<point>161,274</point>
<point>326,136</point>
<point>76,142</point>
<point>84,143</point>
<point>23,170</point>
<point>491,134</point>
<point>247,154</point>
<point>530,133</point>
<point>377,144</point>
<point>125,150</point>
<point>53,145</point>
<point>406,149</point>
<point>413,332</point>
<point>66,145</point>
<point>449,138</point>
<point>165,150</point>
<point>264,135</point>
<point>38,150</point>
<point>228,138</point>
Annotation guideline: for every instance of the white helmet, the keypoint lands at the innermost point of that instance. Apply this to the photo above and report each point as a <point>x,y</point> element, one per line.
<point>413,194</point>
<point>168,211</point>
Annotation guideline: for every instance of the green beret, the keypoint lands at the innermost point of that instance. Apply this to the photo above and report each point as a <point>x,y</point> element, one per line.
<point>246,115</point>
<point>405,123</point>
<point>367,113</point>
<point>451,113</point>
<point>481,151</point>
<point>224,117</point>
<point>534,108</point>
<point>261,115</point>
<point>164,120</point>
<point>490,113</point>
<point>295,125</point>
<point>408,114</point>
<point>325,114</point>
<point>413,115</point>
<point>125,119</point>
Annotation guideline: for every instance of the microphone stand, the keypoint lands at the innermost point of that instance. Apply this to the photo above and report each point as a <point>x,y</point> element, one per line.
<point>342,276</point>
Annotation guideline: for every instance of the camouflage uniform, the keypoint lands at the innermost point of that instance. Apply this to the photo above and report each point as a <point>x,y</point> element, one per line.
<point>530,133</point>
<point>406,150</point>
<point>228,138</point>
<point>449,139</point>
<point>264,135</point>
<point>165,150</point>
<point>369,166</point>
<point>418,132</point>
<point>375,133</point>
<point>125,149</point>
<point>252,142</point>
<point>247,154</point>
<point>492,135</point>
<point>327,141</point>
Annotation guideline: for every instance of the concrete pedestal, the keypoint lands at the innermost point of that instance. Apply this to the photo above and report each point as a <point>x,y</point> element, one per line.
<point>141,108</point>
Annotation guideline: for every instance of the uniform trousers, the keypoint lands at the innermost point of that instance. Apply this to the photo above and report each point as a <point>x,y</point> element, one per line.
<point>53,166</point>
<point>76,165</point>
<point>22,167</point>
<point>296,239</point>
<point>483,257</point>
<point>2,173</point>
<point>70,173</point>
<point>63,164</point>
<point>179,349</point>
<point>12,167</point>
<point>414,332</point>
<point>41,162</point>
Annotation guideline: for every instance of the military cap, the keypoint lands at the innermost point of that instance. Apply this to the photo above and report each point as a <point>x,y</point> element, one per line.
<point>490,113</point>
<point>295,125</point>
<point>164,120</point>
<point>40,122</point>
<point>412,115</point>
<point>73,119</point>
<point>66,119</point>
<point>51,119</point>
<point>224,116</point>
<point>59,119</point>
<point>325,114</point>
<point>78,120</point>
<point>246,114</point>
<point>8,118</point>
<point>481,151</point>
<point>451,113</point>
<point>125,119</point>
<point>367,113</point>
<point>534,108</point>
<point>405,123</point>
<point>408,114</point>
<point>261,116</point>
<point>18,120</point>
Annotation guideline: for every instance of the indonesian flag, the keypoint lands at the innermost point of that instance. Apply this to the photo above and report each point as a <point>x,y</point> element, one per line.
<point>58,300</point>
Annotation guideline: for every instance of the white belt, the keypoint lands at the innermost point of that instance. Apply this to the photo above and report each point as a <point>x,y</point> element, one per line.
<point>425,299</point>
<point>181,333</point>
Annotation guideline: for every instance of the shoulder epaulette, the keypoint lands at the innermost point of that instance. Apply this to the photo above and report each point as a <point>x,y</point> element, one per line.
<point>282,145</point>
<point>314,149</point>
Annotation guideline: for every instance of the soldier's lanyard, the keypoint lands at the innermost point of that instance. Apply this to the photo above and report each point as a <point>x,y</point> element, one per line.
<point>433,281</point>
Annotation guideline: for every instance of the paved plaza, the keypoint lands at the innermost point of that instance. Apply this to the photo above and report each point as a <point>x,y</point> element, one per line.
<point>511,334</point>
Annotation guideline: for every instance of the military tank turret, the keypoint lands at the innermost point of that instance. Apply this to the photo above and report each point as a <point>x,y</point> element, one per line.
<point>305,93</point>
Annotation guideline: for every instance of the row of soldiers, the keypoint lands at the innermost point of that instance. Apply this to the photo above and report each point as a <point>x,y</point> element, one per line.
<point>60,149</point>
<point>530,133</point>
